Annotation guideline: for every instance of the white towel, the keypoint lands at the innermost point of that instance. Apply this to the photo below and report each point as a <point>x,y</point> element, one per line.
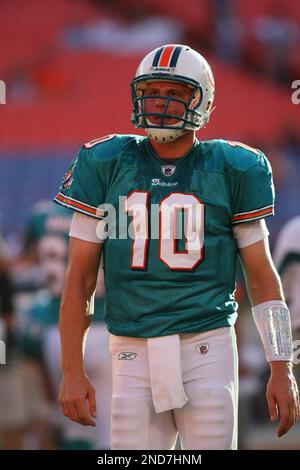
<point>166,373</point>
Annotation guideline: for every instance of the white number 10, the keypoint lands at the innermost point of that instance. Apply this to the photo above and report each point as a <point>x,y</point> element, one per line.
<point>137,205</point>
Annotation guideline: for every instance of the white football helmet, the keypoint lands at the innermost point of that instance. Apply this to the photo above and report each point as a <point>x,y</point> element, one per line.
<point>179,63</point>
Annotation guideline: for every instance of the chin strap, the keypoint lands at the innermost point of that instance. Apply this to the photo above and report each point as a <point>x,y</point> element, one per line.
<point>164,136</point>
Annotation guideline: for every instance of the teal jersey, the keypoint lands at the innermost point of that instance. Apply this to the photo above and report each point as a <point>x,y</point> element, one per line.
<point>48,219</point>
<point>163,280</point>
<point>48,227</point>
<point>43,313</point>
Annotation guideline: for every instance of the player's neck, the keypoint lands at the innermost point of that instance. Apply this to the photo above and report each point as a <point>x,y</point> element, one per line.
<point>176,149</point>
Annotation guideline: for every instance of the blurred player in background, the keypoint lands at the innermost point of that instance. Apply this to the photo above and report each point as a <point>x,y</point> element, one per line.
<point>287,260</point>
<point>47,237</point>
<point>11,416</point>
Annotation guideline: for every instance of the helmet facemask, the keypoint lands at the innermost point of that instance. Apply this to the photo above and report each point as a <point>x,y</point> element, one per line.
<point>162,131</point>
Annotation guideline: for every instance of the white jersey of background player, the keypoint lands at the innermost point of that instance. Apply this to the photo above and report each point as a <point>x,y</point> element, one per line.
<point>287,259</point>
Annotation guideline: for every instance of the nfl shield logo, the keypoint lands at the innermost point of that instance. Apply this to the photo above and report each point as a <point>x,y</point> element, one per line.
<point>202,348</point>
<point>168,170</point>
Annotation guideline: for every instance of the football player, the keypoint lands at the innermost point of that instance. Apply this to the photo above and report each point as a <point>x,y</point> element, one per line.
<point>171,215</point>
<point>47,235</point>
<point>287,261</point>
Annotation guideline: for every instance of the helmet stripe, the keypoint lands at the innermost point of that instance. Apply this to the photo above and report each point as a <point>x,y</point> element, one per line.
<point>164,60</point>
<point>175,56</point>
<point>157,57</point>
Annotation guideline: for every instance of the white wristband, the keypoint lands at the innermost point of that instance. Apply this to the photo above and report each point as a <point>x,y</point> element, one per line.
<point>273,322</point>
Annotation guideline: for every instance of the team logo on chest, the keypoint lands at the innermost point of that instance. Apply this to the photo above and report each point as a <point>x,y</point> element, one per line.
<point>168,170</point>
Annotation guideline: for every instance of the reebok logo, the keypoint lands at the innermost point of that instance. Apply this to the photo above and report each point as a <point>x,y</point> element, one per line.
<point>127,356</point>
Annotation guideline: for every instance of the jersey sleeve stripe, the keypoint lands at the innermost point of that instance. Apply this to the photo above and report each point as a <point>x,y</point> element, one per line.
<point>254,210</point>
<point>100,211</point>
<point>82,207</point>
<point>75,208</point>
<point>254,215</point>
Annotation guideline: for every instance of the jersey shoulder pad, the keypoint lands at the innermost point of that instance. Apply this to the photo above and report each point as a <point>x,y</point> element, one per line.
<point>242,157</point>
<point>234,157</point>
<point>110,146</point>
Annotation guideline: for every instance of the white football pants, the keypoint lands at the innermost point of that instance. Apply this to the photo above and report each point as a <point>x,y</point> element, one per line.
<point>210,378</point>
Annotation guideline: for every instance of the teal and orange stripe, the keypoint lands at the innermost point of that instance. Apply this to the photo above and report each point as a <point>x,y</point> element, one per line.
<point>78,205</point>
<point>167,56</point>
<point>252,215</point>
